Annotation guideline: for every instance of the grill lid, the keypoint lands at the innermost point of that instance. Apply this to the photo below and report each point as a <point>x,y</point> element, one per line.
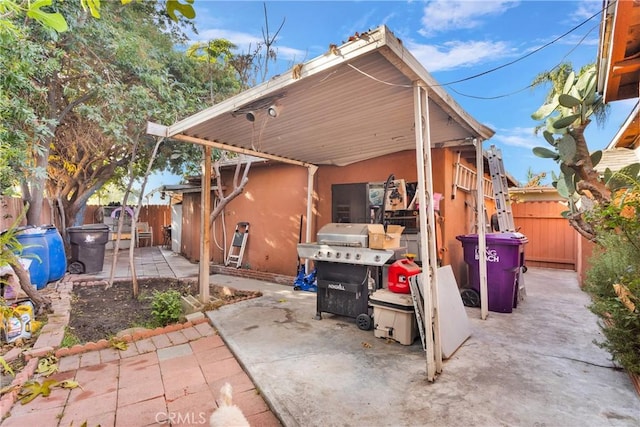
<point>344,234</point>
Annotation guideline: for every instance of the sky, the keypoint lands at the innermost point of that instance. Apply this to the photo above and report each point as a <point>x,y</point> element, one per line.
<point>484,53</point>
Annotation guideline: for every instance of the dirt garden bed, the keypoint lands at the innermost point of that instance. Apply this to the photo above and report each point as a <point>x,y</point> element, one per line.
<point>98,313</point>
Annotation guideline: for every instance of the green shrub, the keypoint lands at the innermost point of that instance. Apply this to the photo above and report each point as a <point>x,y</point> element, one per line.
<point>613,281</point>
<point>166,307</point>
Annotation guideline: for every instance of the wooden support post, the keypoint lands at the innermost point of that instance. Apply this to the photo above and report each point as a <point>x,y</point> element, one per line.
<point>205,212</point>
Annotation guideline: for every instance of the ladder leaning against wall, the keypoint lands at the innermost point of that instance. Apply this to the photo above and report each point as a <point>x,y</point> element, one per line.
<point>500,190</point>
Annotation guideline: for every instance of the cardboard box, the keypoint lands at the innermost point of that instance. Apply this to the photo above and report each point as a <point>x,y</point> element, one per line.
<point>379,240</point>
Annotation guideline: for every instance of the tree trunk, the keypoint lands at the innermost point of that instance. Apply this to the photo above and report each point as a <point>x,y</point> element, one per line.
<point>41,304</point>
<point>37,188</point>
<point>585,170</point>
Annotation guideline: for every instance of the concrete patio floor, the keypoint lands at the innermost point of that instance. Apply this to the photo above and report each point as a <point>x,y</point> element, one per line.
<point>537,366</point>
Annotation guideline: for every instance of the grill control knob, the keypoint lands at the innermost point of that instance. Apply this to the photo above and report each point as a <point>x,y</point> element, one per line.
<point>377,258</point>
<point>319,254</point>
<point>347,255</point>
<point>358,256</point>
<point>337,255</point>
<point>328,254</point>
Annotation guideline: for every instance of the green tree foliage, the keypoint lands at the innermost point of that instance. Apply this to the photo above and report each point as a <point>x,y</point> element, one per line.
<point>47,13</point>
<point>21,62</point>
<point>106,78</point>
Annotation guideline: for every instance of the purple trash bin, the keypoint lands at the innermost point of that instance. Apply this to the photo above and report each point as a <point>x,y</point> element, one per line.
<point>505,258</point>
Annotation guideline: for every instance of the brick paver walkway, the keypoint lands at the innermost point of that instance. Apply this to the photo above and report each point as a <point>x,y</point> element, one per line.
<point>167,376</point>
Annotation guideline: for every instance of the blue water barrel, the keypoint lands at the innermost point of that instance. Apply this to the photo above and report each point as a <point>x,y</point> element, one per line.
<point>57,257</point>
<point>36,250</point>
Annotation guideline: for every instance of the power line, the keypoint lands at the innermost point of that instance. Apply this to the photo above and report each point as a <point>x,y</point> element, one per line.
<point>526,55</point>
<point>532,84</point>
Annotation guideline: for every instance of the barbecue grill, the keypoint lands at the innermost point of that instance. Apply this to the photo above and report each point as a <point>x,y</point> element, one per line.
<point>347,270</point>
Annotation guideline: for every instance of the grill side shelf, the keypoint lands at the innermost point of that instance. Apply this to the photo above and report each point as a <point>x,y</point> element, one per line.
<point>344,254</point>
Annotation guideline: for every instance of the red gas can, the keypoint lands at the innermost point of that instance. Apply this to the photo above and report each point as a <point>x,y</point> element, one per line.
<point>399,273</point>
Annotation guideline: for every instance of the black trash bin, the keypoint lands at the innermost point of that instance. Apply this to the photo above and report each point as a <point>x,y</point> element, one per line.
<point>87,248</point>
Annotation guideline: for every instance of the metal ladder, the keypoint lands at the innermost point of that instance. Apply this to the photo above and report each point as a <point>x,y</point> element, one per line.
<point>500,190</point>
<point>238,244</point>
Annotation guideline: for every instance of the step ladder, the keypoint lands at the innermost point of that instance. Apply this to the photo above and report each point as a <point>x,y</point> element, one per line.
<point>418,306</point>
<point>500,190</point>
<point>238,244</point>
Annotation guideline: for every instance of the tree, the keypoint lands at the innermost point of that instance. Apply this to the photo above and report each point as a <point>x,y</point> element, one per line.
<point>44,11</point>
<point>534,179</point>
<point>106,78</point>
<point>567,111</point>
<point>53,72</point>
<point>250,67</point>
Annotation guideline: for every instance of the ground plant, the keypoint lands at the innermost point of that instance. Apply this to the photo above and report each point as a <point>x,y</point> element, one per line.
<point>613,279</point>
<point>166,307</point>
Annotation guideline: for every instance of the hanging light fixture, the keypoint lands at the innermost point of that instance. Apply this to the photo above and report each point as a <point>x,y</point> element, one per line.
<point>273,111</point>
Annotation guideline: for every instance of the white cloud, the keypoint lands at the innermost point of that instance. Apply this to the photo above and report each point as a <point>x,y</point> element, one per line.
<point>247,42</point>
<point>586,9</point>
<point>446,15</point>
<point>456,54</point>
<point>520,137</point>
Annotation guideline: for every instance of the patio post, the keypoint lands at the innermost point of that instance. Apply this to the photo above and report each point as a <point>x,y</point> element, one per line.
<point>428,253</point>
<point>482,242</point>
<point>205,211</point>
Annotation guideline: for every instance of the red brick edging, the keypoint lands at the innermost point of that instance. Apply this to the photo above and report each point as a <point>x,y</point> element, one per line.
<point>146,333</point>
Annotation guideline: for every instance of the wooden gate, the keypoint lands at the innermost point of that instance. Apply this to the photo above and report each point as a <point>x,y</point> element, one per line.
<point>552,241</point>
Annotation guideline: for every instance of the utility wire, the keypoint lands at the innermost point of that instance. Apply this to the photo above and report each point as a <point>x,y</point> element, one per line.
<point>526,55</point>
<point>532,84</point>
<point>504,65</point>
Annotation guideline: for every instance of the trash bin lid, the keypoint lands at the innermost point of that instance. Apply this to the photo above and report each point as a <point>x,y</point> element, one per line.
<point>507,238</point>
<point>88,227</point>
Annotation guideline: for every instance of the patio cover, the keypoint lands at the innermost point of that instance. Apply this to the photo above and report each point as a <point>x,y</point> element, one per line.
<point>358,101</point>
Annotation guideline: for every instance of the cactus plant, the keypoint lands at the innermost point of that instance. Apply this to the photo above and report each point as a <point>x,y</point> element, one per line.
<point>566,114</point>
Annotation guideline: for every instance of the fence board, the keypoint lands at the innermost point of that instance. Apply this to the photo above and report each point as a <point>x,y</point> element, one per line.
<point>156,215</point>
<point>552,241</point>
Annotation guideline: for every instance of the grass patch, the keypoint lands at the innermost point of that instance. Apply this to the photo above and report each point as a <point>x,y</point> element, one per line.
<point>69,339</point>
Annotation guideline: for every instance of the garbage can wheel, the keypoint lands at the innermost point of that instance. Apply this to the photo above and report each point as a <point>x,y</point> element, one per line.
<point>363,321</point>
<point>76,267</point>
<point>470,297</point>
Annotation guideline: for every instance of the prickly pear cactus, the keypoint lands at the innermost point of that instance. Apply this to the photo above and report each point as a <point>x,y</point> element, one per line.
<point>566,116</point>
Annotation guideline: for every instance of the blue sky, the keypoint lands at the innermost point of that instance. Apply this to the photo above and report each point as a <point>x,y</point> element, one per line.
<point>454,40</point>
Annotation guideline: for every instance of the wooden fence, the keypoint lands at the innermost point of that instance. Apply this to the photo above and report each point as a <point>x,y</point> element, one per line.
<point>156,215</point>
<point>553,243</point>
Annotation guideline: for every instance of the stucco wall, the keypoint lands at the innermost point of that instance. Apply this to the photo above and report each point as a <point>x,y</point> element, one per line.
<point>272,203</point>
<point>275,198</point>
